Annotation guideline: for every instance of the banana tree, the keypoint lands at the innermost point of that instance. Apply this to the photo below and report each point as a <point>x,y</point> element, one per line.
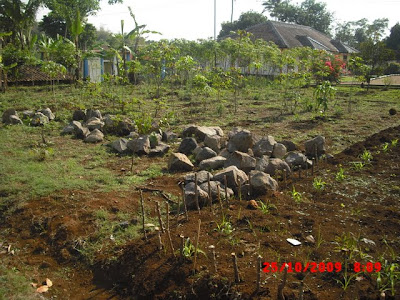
<point>76,29</point>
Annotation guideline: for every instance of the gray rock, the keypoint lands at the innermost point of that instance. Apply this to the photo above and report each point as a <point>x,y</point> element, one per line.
<point>294,159</point>
<point>79,115</point>
<point>15,120</point>
<point>276,164</point>
<point>224,153</point>
<point>132,135</point>
<point>241,160</point>
<point>213,163</point>
<point>94,123</point>
<point>197,150</point>
<point>48,113</point>
<point>233,175</point>
<point>160,150</point>
<point>240,140</point>
<point>205,153</point>
<point>169,136</point>
<point>290,146</point>
<point>90,113</point>
<point>7,114</point>
<point>262,163</point>
<point>201,177</point>
<point>27,114</point>
<point>187,145</point>
<point>116,126</point>
<point>315,145</point>
<point>39,119</point>
<point>179,162</point>
<point>279,151</point>
<point>214,190</point>
<point>95,136</point>
<point>214,142</point>
<point>120,145</point>
<point>80,131</point>
<point>140,145</point>
<point>190,196</point>
<point>264,146</point>
<point>69,129</point>
<point>200,132</point>
<point>261,182</point>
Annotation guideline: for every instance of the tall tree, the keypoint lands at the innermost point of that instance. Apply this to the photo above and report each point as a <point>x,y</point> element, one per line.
<point>393,40</point>
<point>18,17</point>
<point>246,20</point>
<point>309,13</point>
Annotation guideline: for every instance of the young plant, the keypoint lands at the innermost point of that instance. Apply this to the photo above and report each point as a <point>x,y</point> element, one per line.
<point>266,207</point>
<point>388,277</point>
<point>358,166</point>
<point>394,142</point>
<point>366,156</point>
<point>385,147</point>
<point>296,196</point>
<point>323,94</point>
<point>340,174</point>
<point>225,227</point>
<point>319,184</point>
<point>189,249</point>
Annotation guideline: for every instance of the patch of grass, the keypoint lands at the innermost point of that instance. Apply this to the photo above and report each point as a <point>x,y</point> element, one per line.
<point>153,171</point>
<point>14,285</point>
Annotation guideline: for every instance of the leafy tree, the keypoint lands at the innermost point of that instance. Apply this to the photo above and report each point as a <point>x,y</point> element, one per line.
<point>393,41</point>
<point>246,20</point>
<point>309,13</point>
<point>18,17</point>
<point>354,33</point>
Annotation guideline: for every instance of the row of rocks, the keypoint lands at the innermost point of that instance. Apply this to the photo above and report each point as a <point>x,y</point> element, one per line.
<point>37,118</point>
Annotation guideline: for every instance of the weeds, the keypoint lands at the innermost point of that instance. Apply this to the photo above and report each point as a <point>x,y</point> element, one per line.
<point>340,174</point>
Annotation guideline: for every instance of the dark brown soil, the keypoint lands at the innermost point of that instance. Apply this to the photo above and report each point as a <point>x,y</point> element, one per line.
<point>365,205</point>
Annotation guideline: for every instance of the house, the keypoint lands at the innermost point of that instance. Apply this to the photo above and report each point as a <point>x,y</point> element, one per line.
<point>286,36</point>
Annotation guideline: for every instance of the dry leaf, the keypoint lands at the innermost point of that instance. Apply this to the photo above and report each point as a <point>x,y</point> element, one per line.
<point>42,289</point>
<point>49,283</point>
<point>33,284</point>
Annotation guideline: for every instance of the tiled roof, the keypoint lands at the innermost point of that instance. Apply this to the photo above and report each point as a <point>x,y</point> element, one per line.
<point>287,35</point>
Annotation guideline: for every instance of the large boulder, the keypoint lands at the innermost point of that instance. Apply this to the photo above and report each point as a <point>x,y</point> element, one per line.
<point>169,136</point>
<point>7,114</point>
<point>95,136</point>
<point>39,119</point>
<point>276,164</point>
<point>179,162</point>
<point>213,163</point>
<point>202,176</point>
<point>80,131</point>
<point>79,115</point>
<point>140,145</point>
<point>187,145</point>
<point>200,132</point>
<point>240,140</point>
<point>290,146</point>
<point>48,113</point>
<point>118,126</point>
<point>315,146</point>
<point>241,160</point>
<point>159,150</point>
<point>94,123</point>
<point>120,145</point>
<point>190,196</point>
<point>262,182</point>
<point>214,142</point>
<point>262,163</point>
<point>264,146</point>
<point>205,153</point>
<point>214,190</point>
<point>279,151</point>
<point>294,159</point>
<point>15,120</point>
<point>90,113</point>
<point>233,176</point>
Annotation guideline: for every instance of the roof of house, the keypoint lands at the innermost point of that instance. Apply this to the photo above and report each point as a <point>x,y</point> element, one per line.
<point>287,35</point>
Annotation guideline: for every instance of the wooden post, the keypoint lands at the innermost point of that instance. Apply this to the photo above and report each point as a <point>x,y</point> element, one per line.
<point>209,191</point>
<point>235,267</point>
<point>167,207</point>
<point>184,203</point>
<point>240,190</point>
<point>250,191</point>
<point>226,189</point>
<point>312,167</point>
<point>196,193</point>
<point>170,242</point>
<point>159,217</point>
<point>281,286</point>
<point>212,247</point>
<point>196,247</point>
<point>181,236</point>
<point>307,168</point>
<point>219,198</point>
<point>142,205</point>
<point>258,272</point>
<point>179,207</point>
<point>285,177</point>
<point>160,243</point>
<point>300,172</point>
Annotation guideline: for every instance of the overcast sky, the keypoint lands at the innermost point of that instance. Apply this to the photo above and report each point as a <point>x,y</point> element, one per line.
<point>194,19</point>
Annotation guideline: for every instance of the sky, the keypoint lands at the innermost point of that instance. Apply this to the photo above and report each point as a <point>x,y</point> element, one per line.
<point>194,19</point>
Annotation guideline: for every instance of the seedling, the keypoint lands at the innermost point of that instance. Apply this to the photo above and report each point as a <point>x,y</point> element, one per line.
<point>388,277</point>
<point>385,147</point>
<point>340,175</point>
<point>225,227</point>
<point>394,142</point>
<point>266,207</point>
<point>358,166</point>
<point>296,196</point>
<point>366,156</point>
<point>319,184</point>
<point>189,249</point>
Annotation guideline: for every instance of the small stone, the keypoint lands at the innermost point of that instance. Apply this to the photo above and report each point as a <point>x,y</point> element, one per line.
<point>252,204</point>
<point>310,239</point>
<point>95,136</point>
<point>48,113</point>
<point>39,119</point>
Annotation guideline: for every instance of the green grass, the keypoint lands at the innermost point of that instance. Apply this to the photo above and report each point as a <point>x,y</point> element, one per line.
<point>14,285</point>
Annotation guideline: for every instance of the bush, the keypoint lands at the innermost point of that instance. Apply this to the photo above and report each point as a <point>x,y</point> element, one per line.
<point>392,68</point>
